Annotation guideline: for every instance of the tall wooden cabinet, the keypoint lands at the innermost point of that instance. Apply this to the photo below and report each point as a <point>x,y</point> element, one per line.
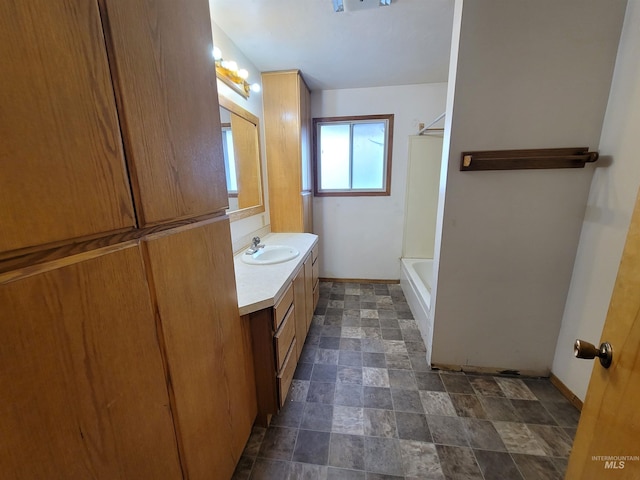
<point>287,128</point>
<point>123,354</point>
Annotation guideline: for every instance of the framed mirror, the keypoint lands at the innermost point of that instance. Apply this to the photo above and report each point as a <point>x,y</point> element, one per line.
<point>243,166</point>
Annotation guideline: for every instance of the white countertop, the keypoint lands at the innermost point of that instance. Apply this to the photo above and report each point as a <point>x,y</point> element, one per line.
<point>259,285</point>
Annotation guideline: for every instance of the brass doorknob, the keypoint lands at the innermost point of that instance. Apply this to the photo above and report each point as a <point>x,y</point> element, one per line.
<point>582,349</point>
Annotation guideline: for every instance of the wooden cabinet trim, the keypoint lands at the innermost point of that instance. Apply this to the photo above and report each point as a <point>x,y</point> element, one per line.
<point>30,270</point>
<point>34,262</point>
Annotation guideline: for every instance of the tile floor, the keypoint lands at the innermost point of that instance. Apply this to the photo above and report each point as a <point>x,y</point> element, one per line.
<point>365,405</point>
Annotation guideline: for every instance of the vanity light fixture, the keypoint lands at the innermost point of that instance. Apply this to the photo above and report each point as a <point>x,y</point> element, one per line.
<point>231,75</point>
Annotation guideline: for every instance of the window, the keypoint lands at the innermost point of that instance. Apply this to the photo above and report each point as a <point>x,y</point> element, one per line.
<point>352,155</point>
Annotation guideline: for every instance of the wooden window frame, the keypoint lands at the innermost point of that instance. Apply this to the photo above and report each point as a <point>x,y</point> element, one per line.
<point>353,193</point>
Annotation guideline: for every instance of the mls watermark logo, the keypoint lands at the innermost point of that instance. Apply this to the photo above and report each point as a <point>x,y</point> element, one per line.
<point>615,462</point>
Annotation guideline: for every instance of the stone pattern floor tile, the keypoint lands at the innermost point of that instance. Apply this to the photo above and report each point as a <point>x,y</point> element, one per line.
<point>365,405</point>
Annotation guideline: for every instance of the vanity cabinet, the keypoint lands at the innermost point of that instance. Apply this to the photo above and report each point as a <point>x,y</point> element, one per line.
<point>278,335</point>
<point>287,127</point>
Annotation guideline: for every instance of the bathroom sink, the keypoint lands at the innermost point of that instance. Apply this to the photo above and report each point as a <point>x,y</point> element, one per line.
<point>270,254</point>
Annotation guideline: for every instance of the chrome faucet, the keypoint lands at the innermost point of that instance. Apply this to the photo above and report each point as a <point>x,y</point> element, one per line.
<point>255,246</point>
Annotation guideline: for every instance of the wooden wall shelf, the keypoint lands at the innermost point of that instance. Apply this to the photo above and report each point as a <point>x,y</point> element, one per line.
<point>527,159</point>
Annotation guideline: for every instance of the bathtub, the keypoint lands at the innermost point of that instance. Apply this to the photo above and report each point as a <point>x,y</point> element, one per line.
<point>416,277</point>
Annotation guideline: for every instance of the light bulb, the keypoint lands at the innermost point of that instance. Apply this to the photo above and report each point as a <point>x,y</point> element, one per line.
<point>255,87</point>
<point>243,74</point>
<point>233,66</point>
<point>217,53</point>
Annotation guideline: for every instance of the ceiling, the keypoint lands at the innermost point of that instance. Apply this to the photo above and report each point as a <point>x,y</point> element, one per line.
<point>405,43</point>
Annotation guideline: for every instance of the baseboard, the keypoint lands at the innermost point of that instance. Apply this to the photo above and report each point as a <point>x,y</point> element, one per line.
<point>555,381</point>
<point>566,392</point>
<point>489,370</point>
<point>357,280</point>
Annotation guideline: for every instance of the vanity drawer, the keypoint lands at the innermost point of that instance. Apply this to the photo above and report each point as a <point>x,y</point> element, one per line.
<point>314,253</point>
<point>284,337</point>
<point>286,374</point>
<point>282,307</point>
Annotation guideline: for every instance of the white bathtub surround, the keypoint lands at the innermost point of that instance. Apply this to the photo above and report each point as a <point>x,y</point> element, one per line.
<point>416,278</point>
<point>259,285</point>
<point>421,206</point>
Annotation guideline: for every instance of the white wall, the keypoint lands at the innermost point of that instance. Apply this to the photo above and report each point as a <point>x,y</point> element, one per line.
<point>611,200</point>
<point>361,237</point>
<point>529,75</point>
<point>244,229</point>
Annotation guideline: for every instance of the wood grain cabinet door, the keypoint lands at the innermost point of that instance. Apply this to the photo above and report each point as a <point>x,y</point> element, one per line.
<point>62,169</point>
<point>210,364</point>
<point>82,386</point>
<point>165,80</point>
